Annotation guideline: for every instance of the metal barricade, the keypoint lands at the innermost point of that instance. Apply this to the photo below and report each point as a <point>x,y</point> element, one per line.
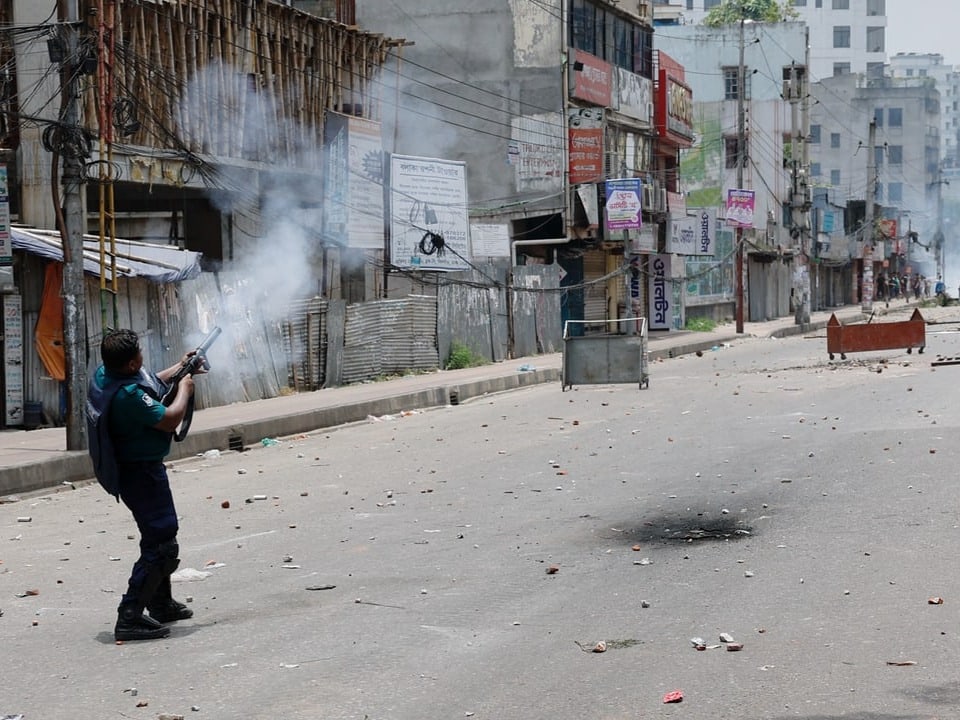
<point>604,357</point>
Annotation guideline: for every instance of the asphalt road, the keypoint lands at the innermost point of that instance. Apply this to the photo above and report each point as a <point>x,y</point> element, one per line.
<point>479,553</point>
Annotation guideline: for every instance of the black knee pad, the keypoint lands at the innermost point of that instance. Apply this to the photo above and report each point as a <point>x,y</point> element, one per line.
<point>169,552</point>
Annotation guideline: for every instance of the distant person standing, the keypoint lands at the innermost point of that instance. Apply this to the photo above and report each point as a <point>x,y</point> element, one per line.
<point>135,430</point>
<point>940,288</point>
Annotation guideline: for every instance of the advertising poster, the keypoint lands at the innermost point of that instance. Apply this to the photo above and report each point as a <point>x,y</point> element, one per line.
<point>13,360</point>
<point>740,207</point>
<point>353,184</point>
<point>623,204</point>
<point>428,200</point>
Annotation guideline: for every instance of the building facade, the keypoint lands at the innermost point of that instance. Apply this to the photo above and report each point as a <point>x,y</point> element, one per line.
<point>846,36</point>
<point>557,101</point>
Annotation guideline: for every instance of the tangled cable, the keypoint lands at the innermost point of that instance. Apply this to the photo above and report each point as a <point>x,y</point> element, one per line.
<point>125,116</point>
<point>70,141</point>
<point>431,243</point>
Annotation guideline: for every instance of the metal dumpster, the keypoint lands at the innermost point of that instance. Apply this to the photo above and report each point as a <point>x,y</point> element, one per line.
<point>599,358</point>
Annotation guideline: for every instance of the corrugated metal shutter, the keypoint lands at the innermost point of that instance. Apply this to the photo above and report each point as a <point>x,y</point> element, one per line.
<point>595,294</point>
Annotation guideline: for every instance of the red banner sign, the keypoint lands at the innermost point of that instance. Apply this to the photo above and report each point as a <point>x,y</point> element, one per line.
<point>586,155</point>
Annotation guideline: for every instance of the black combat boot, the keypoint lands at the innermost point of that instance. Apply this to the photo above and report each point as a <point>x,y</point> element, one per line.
<point>132,624</point>
<point>164,609</point>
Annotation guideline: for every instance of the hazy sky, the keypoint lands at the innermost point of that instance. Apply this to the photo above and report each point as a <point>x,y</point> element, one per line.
<point>924,26</point>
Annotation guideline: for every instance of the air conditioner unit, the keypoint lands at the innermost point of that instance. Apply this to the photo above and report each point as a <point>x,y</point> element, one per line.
<point>650,198</point>
<point>613,165</point>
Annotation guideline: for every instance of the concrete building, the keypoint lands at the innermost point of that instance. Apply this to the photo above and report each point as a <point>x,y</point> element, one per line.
<point>546,102</point>
<point>945,78</point>
<point>846,36</point>
<point>773,55</point>
<point>906,159</point>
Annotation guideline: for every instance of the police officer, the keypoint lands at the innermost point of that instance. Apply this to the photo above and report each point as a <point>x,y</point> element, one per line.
<point>139,431</point>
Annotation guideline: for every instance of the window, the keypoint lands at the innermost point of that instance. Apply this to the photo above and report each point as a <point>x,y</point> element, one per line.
<point>841,68</point>
<point>878,117</point>
<point>583,23</point>
<point>841,4</point>
<point>799,3</point>
<point>895,117</point>
<point>875,39</point>
<point>815,134</point>
<point>874,70</point>
<point>878,191</point>
<point>895,154</point>
<point>712,276</point>
<point>909,72</point>
<point>610,37</point>
<point>819,3</point>
<point>841,36</point>
<point>923,72</point>
<point>707,4</point>
<point>834,177</point>
<point>895,192</point>
<point>730,86</point>
<point>815,170</point>
<point>878,157</point>
<point>731,152</point>
<point>689,4</point>
<point>876,7</point>
<point>834,140</point>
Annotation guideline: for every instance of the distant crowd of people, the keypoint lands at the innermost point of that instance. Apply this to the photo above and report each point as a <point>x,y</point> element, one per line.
<point>902,285</point>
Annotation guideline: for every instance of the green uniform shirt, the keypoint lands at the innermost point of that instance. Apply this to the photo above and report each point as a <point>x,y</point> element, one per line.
<point>133,413</point>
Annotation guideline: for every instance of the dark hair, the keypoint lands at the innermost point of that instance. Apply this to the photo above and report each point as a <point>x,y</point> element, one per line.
<point>118,348</point>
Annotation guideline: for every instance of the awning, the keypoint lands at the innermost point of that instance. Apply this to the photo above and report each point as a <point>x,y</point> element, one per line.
<point>157,263</point>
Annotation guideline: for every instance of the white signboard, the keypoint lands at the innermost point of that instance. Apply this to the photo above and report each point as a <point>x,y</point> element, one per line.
<point>693,234</point>
<point>353,187</point>
<point>635,95</point>
<point>661,296</point>
<point>490,240</point>
<point>429,224</point>
<point>13,360</point>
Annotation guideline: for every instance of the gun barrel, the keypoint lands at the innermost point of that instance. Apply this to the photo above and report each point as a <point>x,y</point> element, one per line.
<point>209,340</point>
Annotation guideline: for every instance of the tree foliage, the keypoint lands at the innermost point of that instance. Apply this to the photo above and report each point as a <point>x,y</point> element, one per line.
<point>733,11</point>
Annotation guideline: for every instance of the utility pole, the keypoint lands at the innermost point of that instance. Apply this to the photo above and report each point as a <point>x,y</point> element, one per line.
<point>741,160</point>
<point>798,201</point>
<point>74,314</point>
<point>866,293</point>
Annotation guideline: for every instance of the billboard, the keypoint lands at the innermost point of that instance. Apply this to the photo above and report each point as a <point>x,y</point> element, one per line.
<point>428,202</point>
<point>353,182</point>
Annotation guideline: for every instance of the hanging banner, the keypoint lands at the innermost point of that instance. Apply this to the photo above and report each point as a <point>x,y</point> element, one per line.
<point>660,296</point>
<point>623,204</point>
<point>740,208</point>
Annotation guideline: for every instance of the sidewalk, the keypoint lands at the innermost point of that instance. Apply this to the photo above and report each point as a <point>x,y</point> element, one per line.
<point>36,459</point>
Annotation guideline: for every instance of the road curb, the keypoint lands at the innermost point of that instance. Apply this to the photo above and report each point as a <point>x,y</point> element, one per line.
<point>75,466</point>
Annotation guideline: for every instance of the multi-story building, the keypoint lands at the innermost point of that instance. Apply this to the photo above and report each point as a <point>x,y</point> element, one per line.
<point>774,72</point>
<point>846,36</point>
<point>906,160</point>
<point>545,102</point>
<point>913,66</point>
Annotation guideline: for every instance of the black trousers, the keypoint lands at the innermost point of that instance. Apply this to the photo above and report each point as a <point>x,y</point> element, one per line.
<point>145,490</point>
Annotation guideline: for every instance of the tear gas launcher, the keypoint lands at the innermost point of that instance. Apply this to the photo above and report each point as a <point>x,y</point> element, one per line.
<point>195,362</point>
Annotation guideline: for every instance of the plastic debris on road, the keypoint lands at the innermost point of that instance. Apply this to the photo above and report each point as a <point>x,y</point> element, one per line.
<point>674,696</point>
<point>267,442</point>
